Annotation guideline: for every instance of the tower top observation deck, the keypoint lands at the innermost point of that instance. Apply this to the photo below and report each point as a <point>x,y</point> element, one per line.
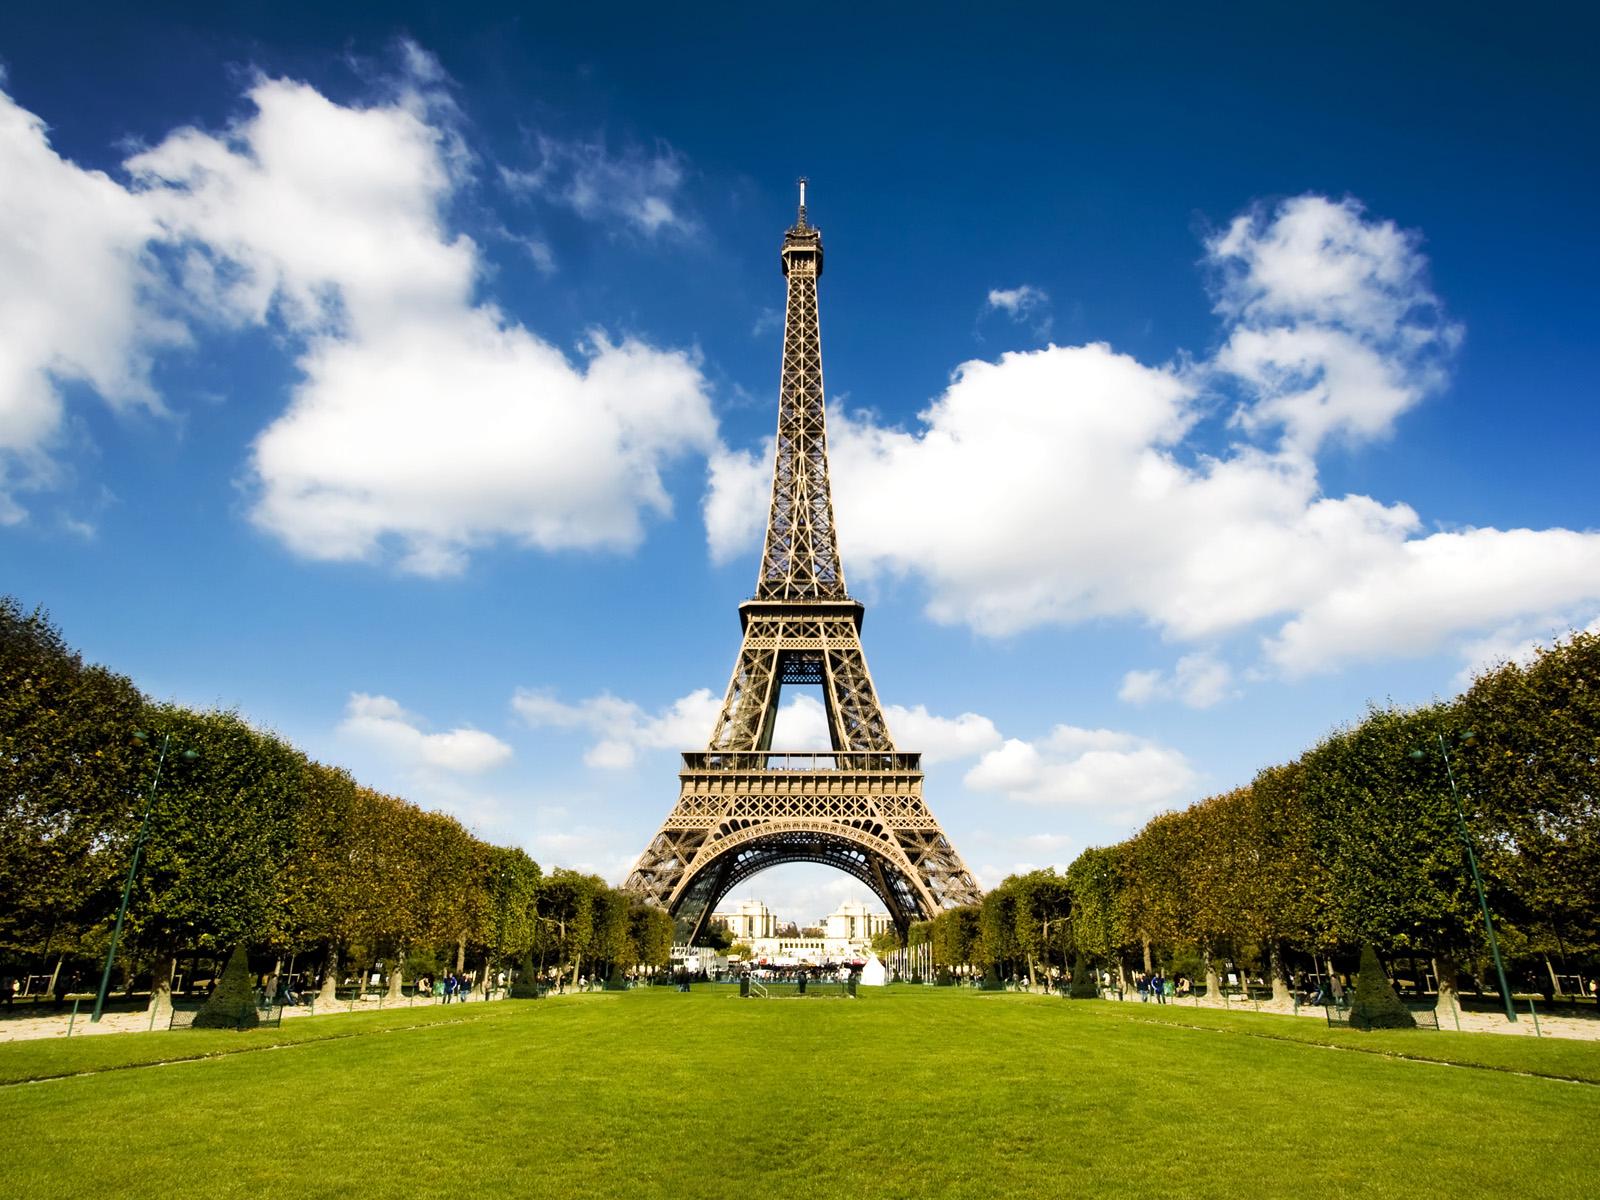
<point>802,243</point>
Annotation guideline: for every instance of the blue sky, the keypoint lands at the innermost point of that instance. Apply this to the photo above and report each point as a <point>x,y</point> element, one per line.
<point>402,381</point>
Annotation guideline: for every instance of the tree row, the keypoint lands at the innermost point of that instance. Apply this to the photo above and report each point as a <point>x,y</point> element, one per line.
<point>246,841</point>
<point>1362,839</point>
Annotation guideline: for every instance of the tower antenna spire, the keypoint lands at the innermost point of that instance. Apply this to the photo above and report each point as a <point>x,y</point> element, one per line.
<point>802,221</point>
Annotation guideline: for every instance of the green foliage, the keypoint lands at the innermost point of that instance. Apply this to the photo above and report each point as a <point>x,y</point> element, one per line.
<point>1530,780</point>
<point>649,935</point>
<point>1095,883</point>
<point>221,834</point>
<point>512,883</point>
<point>886,941</point>
<point>566,911</point>
<point>1386,835</point>
<point>957,936</point>
<point>248,841</point>
<point>1360,840</point>
<point>72,784</point>
<point>1375,1005</point>
<point>997,925</point>
<point>1028,919</point>
<point>717,936</point>
<point>233,1004</point>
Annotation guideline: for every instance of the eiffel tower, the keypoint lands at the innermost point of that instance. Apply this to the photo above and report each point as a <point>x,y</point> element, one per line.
<point>744,806</point>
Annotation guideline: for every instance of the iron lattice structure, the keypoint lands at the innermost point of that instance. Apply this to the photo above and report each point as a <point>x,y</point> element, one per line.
<point>743,806</point>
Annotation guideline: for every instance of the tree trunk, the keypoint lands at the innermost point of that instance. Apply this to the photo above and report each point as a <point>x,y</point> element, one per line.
<point>160,1006</point>
<point>1334,985</point>
<point>1213,984</point>
<point>395,980</point>
<point>461,954</point>
<point>1449,1001</point>
<point>577,961</point>
<point>1149,968</point>
<point>1032,977</point>
<point>328,994</point>
<point>1280,981</point>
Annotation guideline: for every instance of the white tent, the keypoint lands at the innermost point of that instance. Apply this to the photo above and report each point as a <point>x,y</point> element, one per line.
<point>873,974</point>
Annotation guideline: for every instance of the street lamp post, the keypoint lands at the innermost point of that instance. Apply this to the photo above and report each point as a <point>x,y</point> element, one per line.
<point>1477,879</point>
<point>133,867</point>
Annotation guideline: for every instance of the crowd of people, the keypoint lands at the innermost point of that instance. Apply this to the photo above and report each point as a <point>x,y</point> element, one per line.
<point>1160,989</point>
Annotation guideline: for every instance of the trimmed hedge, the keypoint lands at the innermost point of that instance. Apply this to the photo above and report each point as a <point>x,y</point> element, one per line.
<point>233,1004</point>
<point>1375,1005</point>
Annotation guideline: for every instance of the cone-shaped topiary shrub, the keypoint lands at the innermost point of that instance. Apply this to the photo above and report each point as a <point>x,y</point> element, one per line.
<point>994,979</point>
<point>1375,1005</point>
<point>526,985</point>
<point>944,978</point>
<point>1083,982</point>
<point>232,1005</point>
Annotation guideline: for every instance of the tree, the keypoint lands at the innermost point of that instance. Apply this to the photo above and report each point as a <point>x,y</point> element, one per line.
<point>1283,877</point>
<point>1530,779</point>
<point>610,946</point>
<point>1385,833</point>
<point>649,935</point>
<point>717,936</point>
<point>221,833</point>
<point>512,881</point>
<point>997,925</point>
<point>886,941</point>
<point>310,909</point>
<point>72,787</point>
<point>1042,916</point>
<point>957,936</point>
<point>381,878</point>
<point>566,917</point>
<point>1096,883</point>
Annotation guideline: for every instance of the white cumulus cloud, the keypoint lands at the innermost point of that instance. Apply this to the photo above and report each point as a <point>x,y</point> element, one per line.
<point>1073,483</point>
<point>381,722</point>
<point>940,739</point>
<point>75,283</point>
<point>425,422</point>
<point>1100,769</point>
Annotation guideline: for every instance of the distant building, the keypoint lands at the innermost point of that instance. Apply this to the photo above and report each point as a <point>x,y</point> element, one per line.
<point>853,922</point>
<point>842,936</point>
<point>748,920</point>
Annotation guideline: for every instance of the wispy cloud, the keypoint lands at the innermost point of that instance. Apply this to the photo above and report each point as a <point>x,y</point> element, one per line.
<point>1025,305</point>
<point>634,188</point>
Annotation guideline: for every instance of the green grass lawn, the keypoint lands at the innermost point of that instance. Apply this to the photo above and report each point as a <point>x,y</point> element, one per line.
<point>905,1092</point>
